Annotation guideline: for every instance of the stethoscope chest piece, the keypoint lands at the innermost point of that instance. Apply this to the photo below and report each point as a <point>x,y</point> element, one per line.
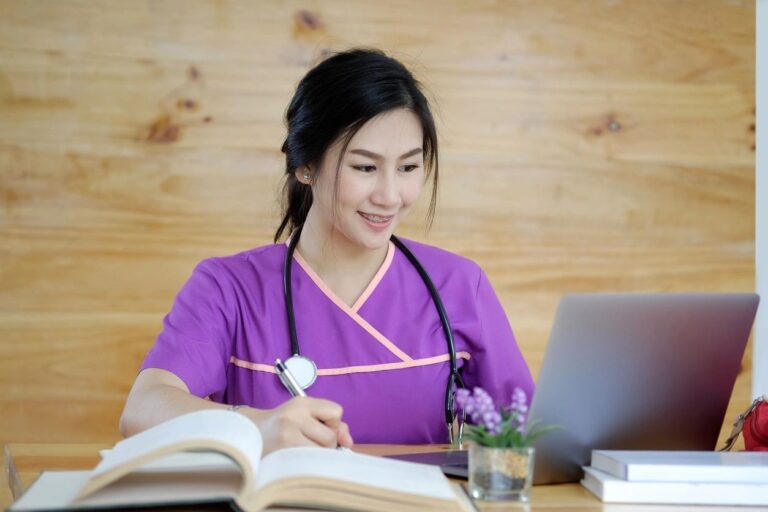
<point>303,369</point>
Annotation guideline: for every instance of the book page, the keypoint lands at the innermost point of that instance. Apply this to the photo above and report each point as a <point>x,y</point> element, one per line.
<point>210,430</point>
<point>52,490</point>
<point>57,490</point>
<point>357,469</point>
<point>198,461</point>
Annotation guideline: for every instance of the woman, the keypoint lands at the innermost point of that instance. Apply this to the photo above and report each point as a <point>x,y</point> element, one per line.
<point>361,144</point>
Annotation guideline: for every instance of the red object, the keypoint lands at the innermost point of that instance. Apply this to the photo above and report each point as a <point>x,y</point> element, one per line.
<point>755,430</point>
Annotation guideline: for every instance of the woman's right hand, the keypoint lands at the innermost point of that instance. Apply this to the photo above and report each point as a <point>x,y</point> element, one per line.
<point>159,395</point>
<point>301,421</point>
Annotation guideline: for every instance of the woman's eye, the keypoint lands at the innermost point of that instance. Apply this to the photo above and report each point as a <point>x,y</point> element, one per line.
<point>409,168</point>
<point>364,168</point>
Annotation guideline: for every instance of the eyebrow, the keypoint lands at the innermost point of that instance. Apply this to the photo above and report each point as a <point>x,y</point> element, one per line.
<point>371,154</point>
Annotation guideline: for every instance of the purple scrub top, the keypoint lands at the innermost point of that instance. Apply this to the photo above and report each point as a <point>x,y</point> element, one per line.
<point>384,359</point>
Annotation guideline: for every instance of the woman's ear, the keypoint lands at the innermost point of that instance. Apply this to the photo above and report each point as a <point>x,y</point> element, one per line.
<point>303,174</point>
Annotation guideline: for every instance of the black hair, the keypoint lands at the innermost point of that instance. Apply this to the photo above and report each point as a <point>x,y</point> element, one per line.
<point>333,101</point>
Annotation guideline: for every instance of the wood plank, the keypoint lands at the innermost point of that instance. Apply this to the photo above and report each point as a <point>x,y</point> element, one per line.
<point>639,120</point>
<point>623,201</point>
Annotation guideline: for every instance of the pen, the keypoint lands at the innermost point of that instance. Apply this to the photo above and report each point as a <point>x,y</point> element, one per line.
<point>288,380</point>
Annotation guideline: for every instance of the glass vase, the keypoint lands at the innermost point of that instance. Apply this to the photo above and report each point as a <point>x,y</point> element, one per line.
<point>500,473</point>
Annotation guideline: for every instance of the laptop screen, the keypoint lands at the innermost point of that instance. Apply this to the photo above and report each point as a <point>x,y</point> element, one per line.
<point>637,371</point>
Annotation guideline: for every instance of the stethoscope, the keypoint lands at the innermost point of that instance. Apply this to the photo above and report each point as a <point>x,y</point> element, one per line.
<point>304,369</point>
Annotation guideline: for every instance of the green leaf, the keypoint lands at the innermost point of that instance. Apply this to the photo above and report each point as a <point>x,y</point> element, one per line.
<point>509,437</point>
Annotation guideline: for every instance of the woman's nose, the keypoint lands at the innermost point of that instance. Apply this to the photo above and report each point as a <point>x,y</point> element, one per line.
<point>386,193</point>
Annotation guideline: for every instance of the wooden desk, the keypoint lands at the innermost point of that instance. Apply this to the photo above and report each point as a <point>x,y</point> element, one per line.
<point>23,463</point>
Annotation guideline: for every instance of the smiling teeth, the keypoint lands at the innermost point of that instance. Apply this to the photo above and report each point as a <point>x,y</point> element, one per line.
<point>375,218</point>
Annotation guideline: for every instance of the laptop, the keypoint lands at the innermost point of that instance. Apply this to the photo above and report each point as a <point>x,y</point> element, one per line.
<point>632,371</point>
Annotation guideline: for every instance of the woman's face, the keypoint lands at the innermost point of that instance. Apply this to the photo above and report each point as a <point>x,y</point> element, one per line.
<point>381,176</point>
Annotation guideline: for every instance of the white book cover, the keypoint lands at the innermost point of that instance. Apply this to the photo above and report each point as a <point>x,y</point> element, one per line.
<point>610,489</point>
<point>683,466</point>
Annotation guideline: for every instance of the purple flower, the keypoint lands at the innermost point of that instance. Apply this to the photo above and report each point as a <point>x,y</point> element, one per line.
<point>505,427</point>
<point>519,400</point>
<point>462,398</point>
<point>480,410</point>
<point>518,408</point>
<point>479,407</point>
<point>492,422</point>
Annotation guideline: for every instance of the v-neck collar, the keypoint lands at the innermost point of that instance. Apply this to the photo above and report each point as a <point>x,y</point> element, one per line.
<point>352,311</point>
<point>354,308</point>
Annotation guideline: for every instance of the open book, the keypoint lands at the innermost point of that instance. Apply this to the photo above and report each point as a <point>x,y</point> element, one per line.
<point>214,457</point>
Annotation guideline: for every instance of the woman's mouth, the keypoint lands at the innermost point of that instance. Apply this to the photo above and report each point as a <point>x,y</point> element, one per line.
<point>377,222</point>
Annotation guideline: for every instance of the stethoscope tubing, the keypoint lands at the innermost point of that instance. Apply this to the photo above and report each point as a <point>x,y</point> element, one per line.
<point>288,264</point>
<point>454,372</point>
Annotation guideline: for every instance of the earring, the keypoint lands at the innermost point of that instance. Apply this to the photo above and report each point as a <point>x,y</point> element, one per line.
<point>308,178</point>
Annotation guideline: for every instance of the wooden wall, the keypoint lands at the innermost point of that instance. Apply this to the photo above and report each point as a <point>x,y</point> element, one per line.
<point>586,146</point>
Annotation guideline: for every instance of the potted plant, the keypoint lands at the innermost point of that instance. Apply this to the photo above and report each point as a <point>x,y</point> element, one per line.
<point>501,454</point>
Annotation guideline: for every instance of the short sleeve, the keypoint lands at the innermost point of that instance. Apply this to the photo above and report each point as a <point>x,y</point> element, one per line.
<point>497,365</point>
<point>196,340</point>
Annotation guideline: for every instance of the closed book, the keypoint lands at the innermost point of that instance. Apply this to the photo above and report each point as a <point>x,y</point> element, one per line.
<point>683,466</point>
<point>610,489</point>
<point>209,459</point>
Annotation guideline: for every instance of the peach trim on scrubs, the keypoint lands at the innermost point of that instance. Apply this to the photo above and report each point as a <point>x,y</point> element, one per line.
<point>259,367</point>
<point>376,279</point>
<point>350,311</point>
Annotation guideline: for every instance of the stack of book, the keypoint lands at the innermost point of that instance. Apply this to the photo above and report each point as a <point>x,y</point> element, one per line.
<point>678,477</point>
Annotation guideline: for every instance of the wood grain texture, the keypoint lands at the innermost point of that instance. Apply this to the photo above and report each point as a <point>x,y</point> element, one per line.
<point>586,146</point>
